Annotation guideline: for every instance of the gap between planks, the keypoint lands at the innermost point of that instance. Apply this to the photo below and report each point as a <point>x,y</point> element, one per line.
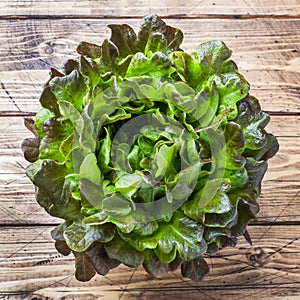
<point>165,17</point>
<point>4,114</point>
<point>278,202</point>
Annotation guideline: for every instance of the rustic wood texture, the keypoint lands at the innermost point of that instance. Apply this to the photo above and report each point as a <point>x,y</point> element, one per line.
<point>30,267</point>
<point>266,51</point>
<point>265,39</point>
<point>165,8</point>
<point>18,205</point>
<point>16,190</point>
<point>284,166</point>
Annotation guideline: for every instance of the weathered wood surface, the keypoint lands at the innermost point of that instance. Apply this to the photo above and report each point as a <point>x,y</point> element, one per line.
<point>30,267</point>
<point>266,51</point>
<point>18,205</point>
<point>131,8</point>
<point>286,126</point>
<point>284,166</point>
<point>265,39</point>
<point>16,190</point>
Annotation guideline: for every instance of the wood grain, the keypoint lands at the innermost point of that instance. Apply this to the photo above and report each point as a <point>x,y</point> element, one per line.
<point>16,190</point>
<point>266,51</point>
<point>130,8</point>
<point>265,39</point>
<point>18,205</point>
<point>284,166</point>
<point>31,267</point>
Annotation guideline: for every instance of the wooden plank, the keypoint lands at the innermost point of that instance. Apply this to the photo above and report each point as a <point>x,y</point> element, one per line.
<point>284,126</point>
<point>18,204</point>
<point>266,50</point>
<point>30,266</point>
<point>284,166</point>
<point>279,202</point>
<point>130,8</point>
<point>14,130</point>
<point>17,192</point>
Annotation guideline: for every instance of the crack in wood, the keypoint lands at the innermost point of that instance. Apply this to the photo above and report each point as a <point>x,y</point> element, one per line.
<point>172,16</point>
<point>10,97</point>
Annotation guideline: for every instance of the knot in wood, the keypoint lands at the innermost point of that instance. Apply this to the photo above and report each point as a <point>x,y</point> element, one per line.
<point>257,257</point>
<point>48,50</point>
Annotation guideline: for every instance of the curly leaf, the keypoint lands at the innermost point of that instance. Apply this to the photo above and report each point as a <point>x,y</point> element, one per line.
<point>154,266</point>
<point>90,50</point>
<point>62,248</point>
<point>70,88</point>
<point>84,269</point>
<point>232,88</point>
<point>119,250</point>
<point>195,269</point>
<point>150,24</point>
<point>30,148</point>
<point>235,143</point>
<point>100,260</point>
<point>212,199</point>
<point>212,55</point>
<point>182,233</point>
<point>50,176</point>
<point>79,237</point>
<point>124,37</point>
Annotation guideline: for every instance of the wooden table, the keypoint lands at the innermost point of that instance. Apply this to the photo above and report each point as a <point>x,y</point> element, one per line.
<point>265,38</point>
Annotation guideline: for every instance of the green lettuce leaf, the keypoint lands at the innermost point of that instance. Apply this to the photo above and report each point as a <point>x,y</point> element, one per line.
<point>119,250</point>
<point>70,88</point>
<point>80,237</point>
<point>181,233</point>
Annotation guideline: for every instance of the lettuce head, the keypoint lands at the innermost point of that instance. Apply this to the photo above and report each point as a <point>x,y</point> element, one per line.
<point>150,155</point>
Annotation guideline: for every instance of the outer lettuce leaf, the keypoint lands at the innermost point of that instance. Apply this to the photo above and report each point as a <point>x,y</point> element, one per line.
<point>119,250</point>
<point>181,233</point>
<point>195,269</point>
<point>80,237</point>
<point>100,260</point>
<point>124,37</point>
<point>90,50</point>
<point>50,176</point>
<point>154,266</point>
<point>30,148</point>
<point>70,88</point>
<point>84,269</point>
<point>151,28</point>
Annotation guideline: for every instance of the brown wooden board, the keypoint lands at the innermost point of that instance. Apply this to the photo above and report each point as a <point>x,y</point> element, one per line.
<point>279,202</point>
<point>284,166</point>
<point>131,8</point>
<point>30,267</point>
<point>265,39</point>
<point>266,51</point>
